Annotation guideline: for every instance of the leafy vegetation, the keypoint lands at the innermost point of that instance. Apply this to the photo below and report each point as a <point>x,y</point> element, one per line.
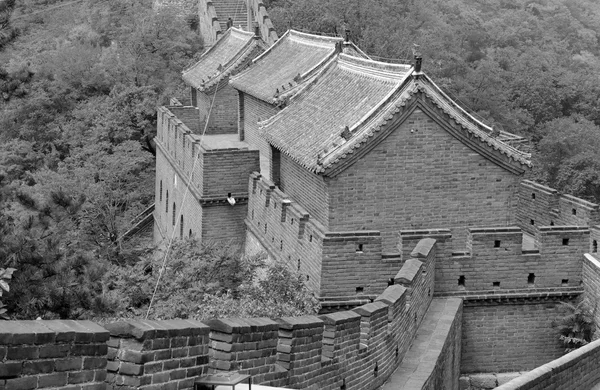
<point>206,281</point>
<point>577,326</point>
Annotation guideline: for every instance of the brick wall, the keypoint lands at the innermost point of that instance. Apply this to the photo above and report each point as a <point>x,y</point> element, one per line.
<point>509,337</point>
<point>52,354</point>
<point>256,110</point>
<point>190,116</point>
<point>224,114</point>
<point>306,188</point>
<point>198,181</point>
<point>421,167</point>
<point>352,264</point>
<point>591,286</point>
<point>285,229</point>
<point>156,354</point>
<point>495,261</point>
<point>539,205</point>
<point>574,371</point>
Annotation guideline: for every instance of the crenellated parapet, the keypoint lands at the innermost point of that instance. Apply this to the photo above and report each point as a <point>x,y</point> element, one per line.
<point>539,205</point>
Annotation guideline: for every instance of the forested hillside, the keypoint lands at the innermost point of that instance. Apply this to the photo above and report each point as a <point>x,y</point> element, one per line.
<point>528,67</point>
<point>79,85</point>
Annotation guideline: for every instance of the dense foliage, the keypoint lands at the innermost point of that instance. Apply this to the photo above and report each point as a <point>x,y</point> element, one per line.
<point>528,67</point>
<point>205,282</point>
<point>576,326</point>
<point>79,83</point>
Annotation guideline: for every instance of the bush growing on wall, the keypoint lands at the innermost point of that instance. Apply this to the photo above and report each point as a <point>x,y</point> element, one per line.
<point>576,328</point>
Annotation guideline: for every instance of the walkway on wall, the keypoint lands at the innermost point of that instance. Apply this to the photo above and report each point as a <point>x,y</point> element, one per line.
<point>234,9</point>
<point>419,363</point>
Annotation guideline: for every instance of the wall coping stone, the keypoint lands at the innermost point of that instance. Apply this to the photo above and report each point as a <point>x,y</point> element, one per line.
<point>241,325</point>
<point>539,187</point>
<point>509,229</point>
<point>423,248</point>
<point>149,329</point>
<point>340,317</point>
<point>371,308</point>
<point>49,332</point>
<point>304,322</point>
<point>565,228</point>
<point>392,294</point>
<point>408,271</point>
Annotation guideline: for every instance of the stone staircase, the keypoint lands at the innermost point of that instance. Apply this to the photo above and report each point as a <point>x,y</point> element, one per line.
<point>234,9</point>
<point>140,224</point>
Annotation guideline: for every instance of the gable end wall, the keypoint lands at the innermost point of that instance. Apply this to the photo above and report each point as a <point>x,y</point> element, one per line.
<point>420,176</point>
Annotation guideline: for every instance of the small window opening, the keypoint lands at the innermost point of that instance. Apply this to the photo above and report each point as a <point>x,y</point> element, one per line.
<point>274,205</point>
<point>461,280</point>
<point>565,282</point>
<point>415,317</point>
<point>533,195</point>
<point>574,211</point>
<point>424,272</point>
<point>160,194</point>
<point>181,226</point>
<point>497,244</point>
<point>397,351</point>
<point>190,234</point>
<point>310,238</point>
<point>429,292</point>
<point>298,264</point>
<point>359,290</point>
<point>281,245</point>
<point>594,246</point>
<point>551,223</point>
<point>359,248</point>
<point>292,221</point>
<point>390,281</point>
<point>532,222</point>
<point>307,278</point>
<point>265,228</point>
<point>531,279</point>
<point>343,386</point>
<point>273,239</point>
<point>376,370</point>
<point>496,284</point>
<point>174,213</point>
<point>565,241</point>
<point>167,202</point>
<point>252,214</point>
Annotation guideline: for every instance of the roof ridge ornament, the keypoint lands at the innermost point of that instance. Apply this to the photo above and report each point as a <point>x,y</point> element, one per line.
<point>346,134</point>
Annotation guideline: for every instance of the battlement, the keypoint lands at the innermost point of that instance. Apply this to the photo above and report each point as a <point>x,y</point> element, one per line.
<point>539,205</point>
<point>356,350</point>
<point>336,264</point>
<point>213,166</point>
<point>496,262</point>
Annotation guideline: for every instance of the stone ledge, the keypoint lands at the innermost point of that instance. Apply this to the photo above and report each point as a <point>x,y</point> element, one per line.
<point>50,332</point>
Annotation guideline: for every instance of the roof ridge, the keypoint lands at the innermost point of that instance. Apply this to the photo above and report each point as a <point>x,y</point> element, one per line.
<point>241,31</point>
<point>309,38</point>
<point>374,68</point>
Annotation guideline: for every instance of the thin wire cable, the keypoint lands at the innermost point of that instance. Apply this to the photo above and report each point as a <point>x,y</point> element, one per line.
<point>178,218</point>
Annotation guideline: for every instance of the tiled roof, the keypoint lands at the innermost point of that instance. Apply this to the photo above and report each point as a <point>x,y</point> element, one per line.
<point>361,95</point>
<point>223,58</point>
<point>292,59</point>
